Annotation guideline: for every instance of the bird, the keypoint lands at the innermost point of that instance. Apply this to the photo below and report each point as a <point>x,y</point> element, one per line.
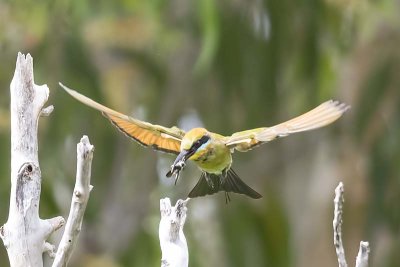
<point>212,152</point>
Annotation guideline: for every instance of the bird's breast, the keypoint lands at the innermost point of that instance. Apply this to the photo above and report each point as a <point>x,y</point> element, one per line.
<point>214,158</point>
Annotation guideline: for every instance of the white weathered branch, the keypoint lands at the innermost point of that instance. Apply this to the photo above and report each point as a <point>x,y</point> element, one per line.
<point>337,225</point>
<point>362,258</point>
<point>172,240</point>
<point>363,253</point>
<point>78,204</point>
<point>24,234</point>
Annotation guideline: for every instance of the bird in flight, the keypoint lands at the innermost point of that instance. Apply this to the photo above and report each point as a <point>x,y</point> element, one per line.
<point>212,152</point>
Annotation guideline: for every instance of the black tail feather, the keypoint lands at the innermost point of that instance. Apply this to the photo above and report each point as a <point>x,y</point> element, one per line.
<point>203,188</point>
<point>229,181</point>
<point>234,184</point>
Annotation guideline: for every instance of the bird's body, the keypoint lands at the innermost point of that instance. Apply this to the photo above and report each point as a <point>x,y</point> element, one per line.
<point>212,152</point>
<point>213,156</point>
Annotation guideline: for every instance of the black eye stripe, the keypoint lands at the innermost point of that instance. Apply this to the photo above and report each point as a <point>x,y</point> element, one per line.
<point>200,142</point>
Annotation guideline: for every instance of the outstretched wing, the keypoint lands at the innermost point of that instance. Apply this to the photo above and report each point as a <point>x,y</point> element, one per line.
<point>154,136</point>
<point>320,116</point>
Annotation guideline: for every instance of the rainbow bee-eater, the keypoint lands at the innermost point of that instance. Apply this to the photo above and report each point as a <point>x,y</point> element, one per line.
<point>212,152</point>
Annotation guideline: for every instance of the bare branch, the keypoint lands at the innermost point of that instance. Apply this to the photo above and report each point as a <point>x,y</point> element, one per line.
<point>172,240</point>
<point>78,204</point>
<point>45,112</point>
<point>362,258</point>
<point>337,225</point>
<point>363,253</point>
<point>49,249</point>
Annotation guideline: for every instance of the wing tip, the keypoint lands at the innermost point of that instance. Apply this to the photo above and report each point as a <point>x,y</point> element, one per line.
<point>75,94</point>
<point>340,106</point>
<point>67,89</point>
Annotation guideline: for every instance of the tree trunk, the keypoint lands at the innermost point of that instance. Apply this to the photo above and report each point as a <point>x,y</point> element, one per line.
<point>25,234</point>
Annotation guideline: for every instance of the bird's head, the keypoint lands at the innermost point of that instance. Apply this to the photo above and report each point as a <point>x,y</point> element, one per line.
<point>193,144</point>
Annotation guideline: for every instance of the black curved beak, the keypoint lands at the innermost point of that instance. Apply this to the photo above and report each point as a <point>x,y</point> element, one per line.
<point>180,160</point>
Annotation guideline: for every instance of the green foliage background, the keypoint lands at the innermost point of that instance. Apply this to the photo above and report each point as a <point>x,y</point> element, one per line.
<point>230,65</point>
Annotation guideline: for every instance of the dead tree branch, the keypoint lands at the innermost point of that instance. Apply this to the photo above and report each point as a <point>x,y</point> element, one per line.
<point>362,258</point>
<point>24,234</point>
<point>172,240</point>
<point>80,198</point>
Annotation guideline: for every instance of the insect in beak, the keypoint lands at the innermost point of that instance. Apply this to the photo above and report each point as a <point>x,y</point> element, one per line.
<point>179,163</point>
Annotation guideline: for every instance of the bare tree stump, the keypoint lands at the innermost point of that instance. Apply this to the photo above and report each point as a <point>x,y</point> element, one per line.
<point>24,234</point>
<point>172,240</point>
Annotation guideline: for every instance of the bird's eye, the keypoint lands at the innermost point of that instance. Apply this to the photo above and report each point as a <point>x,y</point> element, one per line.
<point>199,142</point>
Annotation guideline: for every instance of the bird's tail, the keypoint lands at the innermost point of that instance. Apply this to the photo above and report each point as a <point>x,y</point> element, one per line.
<point>228,181</point>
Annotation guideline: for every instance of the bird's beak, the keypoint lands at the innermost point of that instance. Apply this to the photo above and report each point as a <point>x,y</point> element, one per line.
<point>179,163</point>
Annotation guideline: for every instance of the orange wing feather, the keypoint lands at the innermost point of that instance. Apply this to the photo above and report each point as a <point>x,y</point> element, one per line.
<point>155,136</point>
<point>144,136</point>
